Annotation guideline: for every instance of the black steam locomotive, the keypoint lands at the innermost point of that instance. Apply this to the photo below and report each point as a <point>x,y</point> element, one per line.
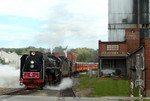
<point>38,69</point>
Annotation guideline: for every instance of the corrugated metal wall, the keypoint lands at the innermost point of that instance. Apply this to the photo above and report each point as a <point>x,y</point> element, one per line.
<point>144,11</point>
<point>124,14</point>
<point>144,18</point>
<point>120,13</point>
<point>149,9</point>
<point>144,33</point>
<point>116,35</point>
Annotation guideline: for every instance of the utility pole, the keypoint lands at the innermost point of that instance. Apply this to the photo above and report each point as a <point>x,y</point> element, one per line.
<point>138,5</point>
<point>100,68</point>
<point>139,82</point>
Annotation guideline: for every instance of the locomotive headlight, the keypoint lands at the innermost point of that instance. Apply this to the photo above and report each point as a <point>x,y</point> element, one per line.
<point>33,53</point>
<point>32,62</point>
<point>31,66</point>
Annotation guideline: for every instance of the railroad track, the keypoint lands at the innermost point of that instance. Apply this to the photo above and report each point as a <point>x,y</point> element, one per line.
<point>21,92</point>
<point>13,93</point>
<point>69,92</point>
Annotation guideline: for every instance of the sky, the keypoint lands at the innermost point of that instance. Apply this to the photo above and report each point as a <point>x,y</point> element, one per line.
<point>51,23</point>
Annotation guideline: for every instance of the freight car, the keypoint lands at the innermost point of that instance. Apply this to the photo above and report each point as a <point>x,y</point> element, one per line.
<point>38,69</point>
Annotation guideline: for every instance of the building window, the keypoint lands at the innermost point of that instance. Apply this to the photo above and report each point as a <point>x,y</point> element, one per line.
<point>112,47</point>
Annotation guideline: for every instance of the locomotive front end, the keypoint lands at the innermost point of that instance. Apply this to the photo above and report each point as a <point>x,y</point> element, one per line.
<point>32,70</point>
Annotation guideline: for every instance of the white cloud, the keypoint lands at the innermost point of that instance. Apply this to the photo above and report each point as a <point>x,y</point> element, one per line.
<point>42,9</point>
<point>3,32</point>
<point>15,40</point>
<point>34,33</point>
<point>90,7</point>
<point>11,27</point>
<point>85,20</point>
<point>44,26</point>
<point>74,35</point>
<point>28,8</point>
<point>13,18</point>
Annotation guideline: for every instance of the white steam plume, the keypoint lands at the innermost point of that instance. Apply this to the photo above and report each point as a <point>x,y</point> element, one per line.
<point>9,77</point>
<point>50,39</point>
<point>51,49</point>
<point>65,83</point>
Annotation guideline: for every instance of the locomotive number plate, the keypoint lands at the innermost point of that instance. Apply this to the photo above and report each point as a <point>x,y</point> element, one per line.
<point>31,75</point>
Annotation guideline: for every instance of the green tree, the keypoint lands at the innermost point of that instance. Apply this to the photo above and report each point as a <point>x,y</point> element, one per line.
<point>21,51</point>
<point>59,49</point>
<point>86,54</point>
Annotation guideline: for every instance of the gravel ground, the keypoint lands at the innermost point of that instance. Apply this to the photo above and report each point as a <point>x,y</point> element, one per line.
<point>87,92</point>
<point>44,92</point>
<point>2,90</point>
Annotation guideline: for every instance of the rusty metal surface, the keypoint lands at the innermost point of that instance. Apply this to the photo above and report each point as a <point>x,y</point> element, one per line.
<point>126,11</point>
<point>21,92</point>
<point>114,26</point>
<point>122,11</point>
<point>14,92</point>
<point>128,14</point>
<point>144,33</point>
<point>11,94</point>
<point>144,11</point>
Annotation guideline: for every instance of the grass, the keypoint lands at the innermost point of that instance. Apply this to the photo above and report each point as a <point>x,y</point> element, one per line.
<point>106,86</point>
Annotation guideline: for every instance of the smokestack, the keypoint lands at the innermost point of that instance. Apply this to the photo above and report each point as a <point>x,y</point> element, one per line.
<point>51,49</point>
<point>65,51</point>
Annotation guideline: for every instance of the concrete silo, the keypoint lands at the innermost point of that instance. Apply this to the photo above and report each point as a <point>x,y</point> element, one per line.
<point>125,14</point>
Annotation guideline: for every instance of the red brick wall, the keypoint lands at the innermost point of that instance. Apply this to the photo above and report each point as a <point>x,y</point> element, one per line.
<point>132,40</point>
<point>147,65</point>
<point>103,47</point>
<point>123,47</point>
<point>70,55</point>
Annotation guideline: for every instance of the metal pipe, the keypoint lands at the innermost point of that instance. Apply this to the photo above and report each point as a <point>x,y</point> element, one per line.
<point>138,65</point>
<point>43,69</point>
<point>138,13</point>
<point>100,66</point>
<point>144,66</point>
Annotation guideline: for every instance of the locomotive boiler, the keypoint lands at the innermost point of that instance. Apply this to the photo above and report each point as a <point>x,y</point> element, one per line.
<point>38,69</point>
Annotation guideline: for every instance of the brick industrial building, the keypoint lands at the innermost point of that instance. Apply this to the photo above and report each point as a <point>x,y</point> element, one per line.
<point>113,55</point>
<point>129,35</point>
<point>122,56</point>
